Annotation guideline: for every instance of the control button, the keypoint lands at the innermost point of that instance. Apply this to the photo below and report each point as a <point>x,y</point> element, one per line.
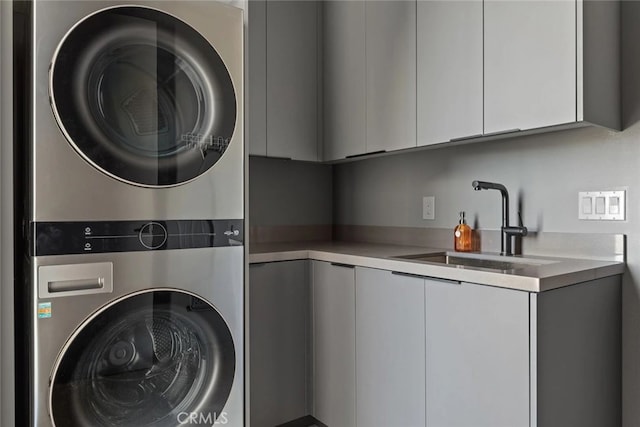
<point>152,235</point>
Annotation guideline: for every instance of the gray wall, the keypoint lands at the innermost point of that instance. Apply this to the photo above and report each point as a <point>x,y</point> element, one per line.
<point>544,171</point>
<point>286,192</point>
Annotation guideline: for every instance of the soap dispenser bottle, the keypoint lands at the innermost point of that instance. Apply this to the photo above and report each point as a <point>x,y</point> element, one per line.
<point>462,236</point>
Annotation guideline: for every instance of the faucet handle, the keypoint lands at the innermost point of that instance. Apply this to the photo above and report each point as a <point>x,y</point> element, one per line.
<point>519,230</point>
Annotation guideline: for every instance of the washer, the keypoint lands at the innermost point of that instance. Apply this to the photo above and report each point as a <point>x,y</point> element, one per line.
<point>133,289</point>
<point>136,111</point>
<point>138,339</point>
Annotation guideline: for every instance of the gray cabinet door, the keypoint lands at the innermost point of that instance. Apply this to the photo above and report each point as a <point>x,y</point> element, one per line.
<point>256,70</point>
<point>344,79</point>
<point>529,64</point>
<point>334,358</point>
<point>390,344</point>
<point>292,79</point>
<point>279,298</point>
<point>477,365</point>
<point>449,85</point>
<point>391,74</point>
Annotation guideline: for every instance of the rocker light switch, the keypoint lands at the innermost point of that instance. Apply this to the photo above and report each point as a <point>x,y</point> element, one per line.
<point>602,205</point>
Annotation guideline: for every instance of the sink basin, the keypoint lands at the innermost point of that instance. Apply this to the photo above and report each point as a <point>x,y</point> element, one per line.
<point>490,262</point>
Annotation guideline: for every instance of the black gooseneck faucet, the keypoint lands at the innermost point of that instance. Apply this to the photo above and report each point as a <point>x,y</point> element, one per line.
<point>506,230</point>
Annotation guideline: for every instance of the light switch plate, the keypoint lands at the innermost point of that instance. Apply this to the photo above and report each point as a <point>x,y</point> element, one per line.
<point>429,207</point>
<point>602,205</point>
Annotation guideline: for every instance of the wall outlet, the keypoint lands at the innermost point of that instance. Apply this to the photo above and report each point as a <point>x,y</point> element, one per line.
<point>429,207</point>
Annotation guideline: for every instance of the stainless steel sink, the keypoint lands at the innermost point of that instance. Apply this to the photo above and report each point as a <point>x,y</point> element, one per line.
<point>490,262</point>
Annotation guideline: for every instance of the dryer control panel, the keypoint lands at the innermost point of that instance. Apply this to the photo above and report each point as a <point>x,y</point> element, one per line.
<point>65,238</point>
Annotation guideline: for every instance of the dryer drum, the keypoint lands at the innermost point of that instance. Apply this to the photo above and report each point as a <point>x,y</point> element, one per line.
<point>143,361</point>
<point>143,96</point>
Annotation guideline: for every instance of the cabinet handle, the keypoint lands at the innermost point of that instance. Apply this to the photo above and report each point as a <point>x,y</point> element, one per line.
<point>420,276</point>
<point>353,156</point>
<point>337,264</point>
<point>270,157</point>
<point>463,138</point>
<point>502,132</point>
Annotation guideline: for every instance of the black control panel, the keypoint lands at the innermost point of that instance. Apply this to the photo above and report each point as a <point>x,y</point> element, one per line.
<point>65,238</point>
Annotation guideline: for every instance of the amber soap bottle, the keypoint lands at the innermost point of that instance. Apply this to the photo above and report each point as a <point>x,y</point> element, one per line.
<point>462,236</point>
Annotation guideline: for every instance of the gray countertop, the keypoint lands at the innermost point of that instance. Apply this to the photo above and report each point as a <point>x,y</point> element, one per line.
<point>551,273</point>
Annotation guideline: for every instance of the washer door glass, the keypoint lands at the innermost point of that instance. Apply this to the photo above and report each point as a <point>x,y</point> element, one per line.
<point>143,96</point>
<point>147,360</point>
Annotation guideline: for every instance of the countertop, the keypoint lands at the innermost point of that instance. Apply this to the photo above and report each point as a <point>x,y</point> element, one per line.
<point>554,273</point>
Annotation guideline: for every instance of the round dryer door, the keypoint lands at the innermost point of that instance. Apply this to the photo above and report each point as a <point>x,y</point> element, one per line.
<point>142,96</point>
<point>150,359</point>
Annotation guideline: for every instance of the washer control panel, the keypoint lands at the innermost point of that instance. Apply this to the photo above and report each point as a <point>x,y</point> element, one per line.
<point>64,238</point>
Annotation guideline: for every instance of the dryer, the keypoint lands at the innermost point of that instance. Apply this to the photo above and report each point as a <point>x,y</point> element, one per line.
<point>136,110</point>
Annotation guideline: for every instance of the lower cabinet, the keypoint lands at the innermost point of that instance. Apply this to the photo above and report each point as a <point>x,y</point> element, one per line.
<point>334,344</point>
<point>360,347</point>
<point>477,355</point>
<point>279,342</point>
<point>390,339</point>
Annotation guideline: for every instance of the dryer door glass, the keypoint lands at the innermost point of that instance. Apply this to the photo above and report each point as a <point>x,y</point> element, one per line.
<point>152,358</point>
<point>143,96</point>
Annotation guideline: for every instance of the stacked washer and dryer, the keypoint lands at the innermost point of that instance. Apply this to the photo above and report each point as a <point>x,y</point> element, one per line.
<point>135,214</point>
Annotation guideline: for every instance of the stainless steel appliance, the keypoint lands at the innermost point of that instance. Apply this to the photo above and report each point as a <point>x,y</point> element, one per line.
<point>138,339</point>
<point>137,110</point>
<point>133,296</point>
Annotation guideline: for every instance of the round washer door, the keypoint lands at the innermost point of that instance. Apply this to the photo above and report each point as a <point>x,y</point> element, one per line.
<point>145,360</point>
<point>142,96</point>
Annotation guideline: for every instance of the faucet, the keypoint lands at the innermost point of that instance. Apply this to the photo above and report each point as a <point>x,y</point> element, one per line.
<point>506,231</point>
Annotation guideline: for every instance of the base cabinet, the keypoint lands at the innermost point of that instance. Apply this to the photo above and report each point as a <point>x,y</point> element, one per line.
<point>390,338</point>
<point>359,347</point>
<point>279,336</point>
<point>477,348</point>
<point>334,344</point>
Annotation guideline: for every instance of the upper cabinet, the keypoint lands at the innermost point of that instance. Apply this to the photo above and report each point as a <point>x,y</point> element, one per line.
<point>449,64</point>
<point>550,63</point>
<point>437,71</point>
<point>369,71</point>
<point>283,79</point>
<point>390,74</point>
<point>386,75</point>
<point>529,64</point>
<point>344,86</point>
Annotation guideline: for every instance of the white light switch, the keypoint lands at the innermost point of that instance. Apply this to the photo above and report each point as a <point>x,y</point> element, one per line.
<point>587,205</point>
<point>602,205</point>
<point>614,205</point>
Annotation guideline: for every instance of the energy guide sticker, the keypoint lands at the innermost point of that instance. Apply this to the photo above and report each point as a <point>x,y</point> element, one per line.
<point>44,310</point>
